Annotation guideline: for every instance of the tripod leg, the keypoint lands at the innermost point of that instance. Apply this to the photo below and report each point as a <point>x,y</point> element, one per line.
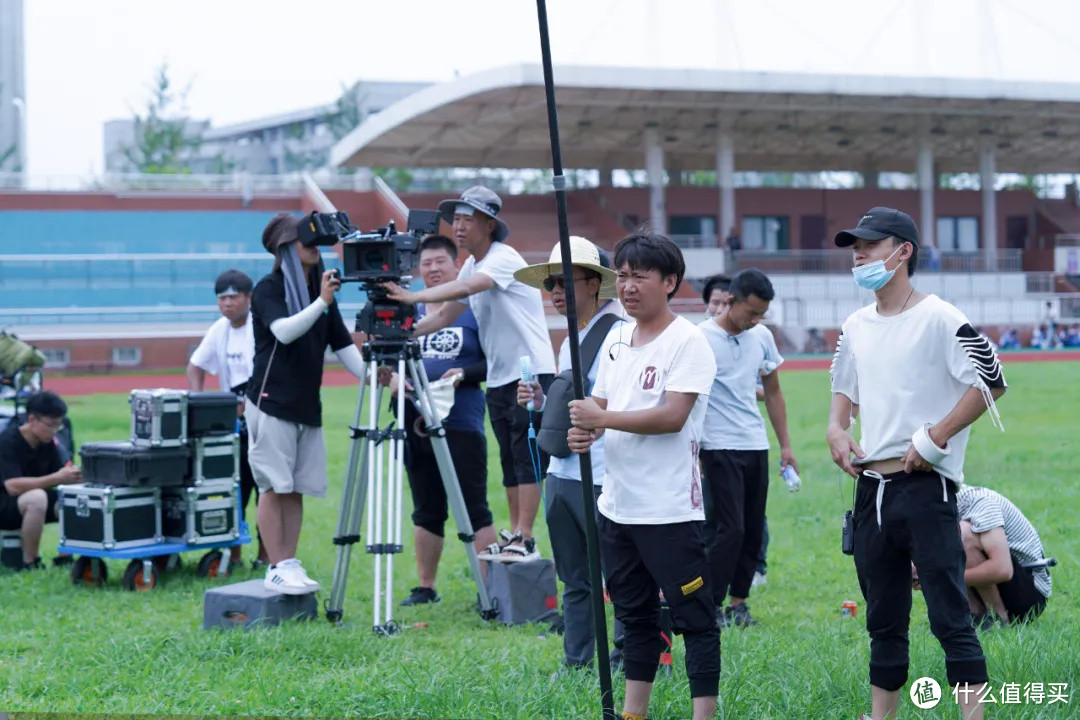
<point>375,510</point>
<point>450,483</point>
<point>351,512</point>
<point>395,476</point>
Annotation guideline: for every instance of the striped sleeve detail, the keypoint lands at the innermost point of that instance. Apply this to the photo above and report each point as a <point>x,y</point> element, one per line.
<point>981,355</point>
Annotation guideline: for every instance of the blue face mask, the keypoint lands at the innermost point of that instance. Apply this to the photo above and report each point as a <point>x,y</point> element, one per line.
<point>873,276</point>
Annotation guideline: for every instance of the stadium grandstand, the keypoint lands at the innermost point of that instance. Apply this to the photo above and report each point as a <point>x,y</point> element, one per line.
<point>119,276</point>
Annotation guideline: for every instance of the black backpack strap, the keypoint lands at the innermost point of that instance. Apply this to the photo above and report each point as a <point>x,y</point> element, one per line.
<point>590,348</point>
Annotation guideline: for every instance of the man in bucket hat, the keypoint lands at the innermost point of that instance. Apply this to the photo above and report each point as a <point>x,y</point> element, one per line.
<point>510,316</point>
<point>597,314</point>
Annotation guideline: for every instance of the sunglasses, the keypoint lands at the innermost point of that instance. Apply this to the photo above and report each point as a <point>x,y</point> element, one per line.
<point>551,282</point>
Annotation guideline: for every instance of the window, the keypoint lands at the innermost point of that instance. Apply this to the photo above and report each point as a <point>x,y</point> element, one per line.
<point>958,234</point>
<point>127,356</point>
<point>56,357</point>
<point>765,233</point>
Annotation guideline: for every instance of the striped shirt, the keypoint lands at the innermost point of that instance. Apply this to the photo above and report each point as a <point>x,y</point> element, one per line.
<point>986,510</point>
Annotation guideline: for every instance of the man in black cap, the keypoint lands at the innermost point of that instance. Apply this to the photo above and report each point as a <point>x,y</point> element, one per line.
<point>510,316</point>
<point>919,375</point>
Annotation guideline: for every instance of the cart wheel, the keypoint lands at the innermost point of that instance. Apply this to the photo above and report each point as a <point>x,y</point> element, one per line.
<point>82,572</point>
<point>168,563</point>
<point>210,565</point>
<point>135,577</point>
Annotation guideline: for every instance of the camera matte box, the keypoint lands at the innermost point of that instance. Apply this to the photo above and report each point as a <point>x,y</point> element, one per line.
<point>159,417</point>
<point>127,464</point>
<point>211,413</point>
<point>109,518</point>
<point>523,592</point>
<point>249,604</point>
<point>208,513</point>
<point>215,457</point>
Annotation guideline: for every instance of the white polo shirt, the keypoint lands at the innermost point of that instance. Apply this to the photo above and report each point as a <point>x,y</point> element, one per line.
<point>510,316</point>
<point>908,370</point>
<point>227,352</point>
<point>655,479</point>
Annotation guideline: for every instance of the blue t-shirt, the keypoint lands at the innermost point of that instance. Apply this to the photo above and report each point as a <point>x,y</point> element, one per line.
<point>456,346</point>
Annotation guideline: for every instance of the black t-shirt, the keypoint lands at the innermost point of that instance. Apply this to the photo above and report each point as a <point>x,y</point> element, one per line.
<point>291,390</point>
<point>18,459</point>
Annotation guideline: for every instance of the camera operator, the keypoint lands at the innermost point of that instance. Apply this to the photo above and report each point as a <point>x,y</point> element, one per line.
<point>510,317</point>
<point>228,350</point>
<point>452,351</point>
<point>284,412</point>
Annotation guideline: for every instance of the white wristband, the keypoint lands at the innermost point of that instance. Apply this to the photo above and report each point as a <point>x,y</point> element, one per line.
<point>927,448</point>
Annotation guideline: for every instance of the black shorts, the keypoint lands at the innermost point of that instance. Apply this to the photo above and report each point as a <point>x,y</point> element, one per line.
<point>468,451</point>
<point>11,518</point>
<point>1022,599</point>
<point>510,425</point>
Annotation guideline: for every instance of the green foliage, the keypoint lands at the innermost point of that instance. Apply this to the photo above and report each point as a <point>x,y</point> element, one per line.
<point>165,139</point>
<point>68,649</point>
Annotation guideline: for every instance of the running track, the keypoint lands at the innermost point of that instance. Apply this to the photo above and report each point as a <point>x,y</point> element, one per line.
<point>91,384</point>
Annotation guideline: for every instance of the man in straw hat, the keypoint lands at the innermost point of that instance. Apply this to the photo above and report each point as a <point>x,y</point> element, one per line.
<point>510,316</point>
<point>594,290</point>
<point>295,318</point>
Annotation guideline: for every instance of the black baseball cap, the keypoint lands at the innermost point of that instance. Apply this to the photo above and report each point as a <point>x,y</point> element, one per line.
<point>879,223</point>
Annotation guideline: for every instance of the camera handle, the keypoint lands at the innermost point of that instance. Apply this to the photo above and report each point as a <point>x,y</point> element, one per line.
<point>375,483</point>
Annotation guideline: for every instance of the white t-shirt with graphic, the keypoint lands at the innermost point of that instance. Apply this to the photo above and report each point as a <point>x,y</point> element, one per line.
<point>908,370</point>
<point>510,316</point>
<point>227,352</point>
<point>733,421</point>
<point>655,479</point>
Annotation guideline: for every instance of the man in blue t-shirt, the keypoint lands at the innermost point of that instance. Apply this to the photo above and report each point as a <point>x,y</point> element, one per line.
<point>452,351</point>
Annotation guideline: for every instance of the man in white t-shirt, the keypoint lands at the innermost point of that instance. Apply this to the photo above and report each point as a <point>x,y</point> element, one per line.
<point>917,374</point>
<point>510,317</point>
<point>649,403</point>
<point>735,447</point>
<point>228,351</point>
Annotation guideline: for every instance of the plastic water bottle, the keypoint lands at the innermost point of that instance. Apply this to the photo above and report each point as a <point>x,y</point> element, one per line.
<point>527,377</point>
<point>794,484</point>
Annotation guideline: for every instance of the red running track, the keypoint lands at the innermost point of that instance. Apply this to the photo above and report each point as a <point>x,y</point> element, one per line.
<point>337,377</point>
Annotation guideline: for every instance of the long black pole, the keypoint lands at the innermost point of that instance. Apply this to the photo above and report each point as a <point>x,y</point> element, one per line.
<point>592,539</point>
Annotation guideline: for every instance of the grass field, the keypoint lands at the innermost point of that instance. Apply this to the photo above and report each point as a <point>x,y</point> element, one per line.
<point>77,649</point>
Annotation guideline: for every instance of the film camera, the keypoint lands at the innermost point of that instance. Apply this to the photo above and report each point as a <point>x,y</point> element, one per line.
<point>382,255</point>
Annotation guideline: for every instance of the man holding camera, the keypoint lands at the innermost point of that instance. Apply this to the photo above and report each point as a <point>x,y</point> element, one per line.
<point>284,412</point>
<point>510,317</point>
<point>30,468</point>
<point>453,351</point>
<point>227,350</point>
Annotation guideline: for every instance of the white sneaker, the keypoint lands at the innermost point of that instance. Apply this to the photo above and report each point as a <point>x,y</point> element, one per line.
<point>285,579</point>
<point>759,579</point>
<point>295,565</point>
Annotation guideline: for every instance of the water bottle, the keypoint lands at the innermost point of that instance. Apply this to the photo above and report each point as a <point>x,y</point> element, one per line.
<point>790,477</point>
<point>527,377</point>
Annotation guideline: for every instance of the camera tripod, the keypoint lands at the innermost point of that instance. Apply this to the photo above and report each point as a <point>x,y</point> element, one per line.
<point>374,479</point>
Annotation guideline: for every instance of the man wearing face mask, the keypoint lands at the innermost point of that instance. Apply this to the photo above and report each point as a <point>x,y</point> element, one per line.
<point>918,374</point>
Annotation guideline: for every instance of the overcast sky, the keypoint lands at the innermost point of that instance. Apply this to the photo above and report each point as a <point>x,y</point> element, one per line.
<point>88,61</point>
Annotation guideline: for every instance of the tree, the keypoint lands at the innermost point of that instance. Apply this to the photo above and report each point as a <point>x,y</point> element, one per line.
<point>166,140</point>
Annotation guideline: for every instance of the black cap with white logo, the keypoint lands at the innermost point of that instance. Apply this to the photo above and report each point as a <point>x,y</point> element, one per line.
<point>879,223</point>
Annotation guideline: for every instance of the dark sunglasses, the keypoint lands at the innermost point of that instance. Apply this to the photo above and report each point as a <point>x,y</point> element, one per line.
<point>551,282</point>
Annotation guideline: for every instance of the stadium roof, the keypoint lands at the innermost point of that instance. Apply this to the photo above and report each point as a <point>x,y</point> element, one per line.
<point>779,121</point>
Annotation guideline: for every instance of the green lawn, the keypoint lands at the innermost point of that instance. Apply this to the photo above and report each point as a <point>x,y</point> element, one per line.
<point>68,649</point>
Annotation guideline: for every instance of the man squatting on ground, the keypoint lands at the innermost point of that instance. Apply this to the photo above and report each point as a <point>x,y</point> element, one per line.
<point>453,351</point>
<point>510,317</point>
<point>999,541</point>
<point>597,312</point>
<point>649,402</point>
<point>228,351</point>
<point>735,447</point>
<point>30,469</point>
<point>284,410</point>
<point>918,375</point>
